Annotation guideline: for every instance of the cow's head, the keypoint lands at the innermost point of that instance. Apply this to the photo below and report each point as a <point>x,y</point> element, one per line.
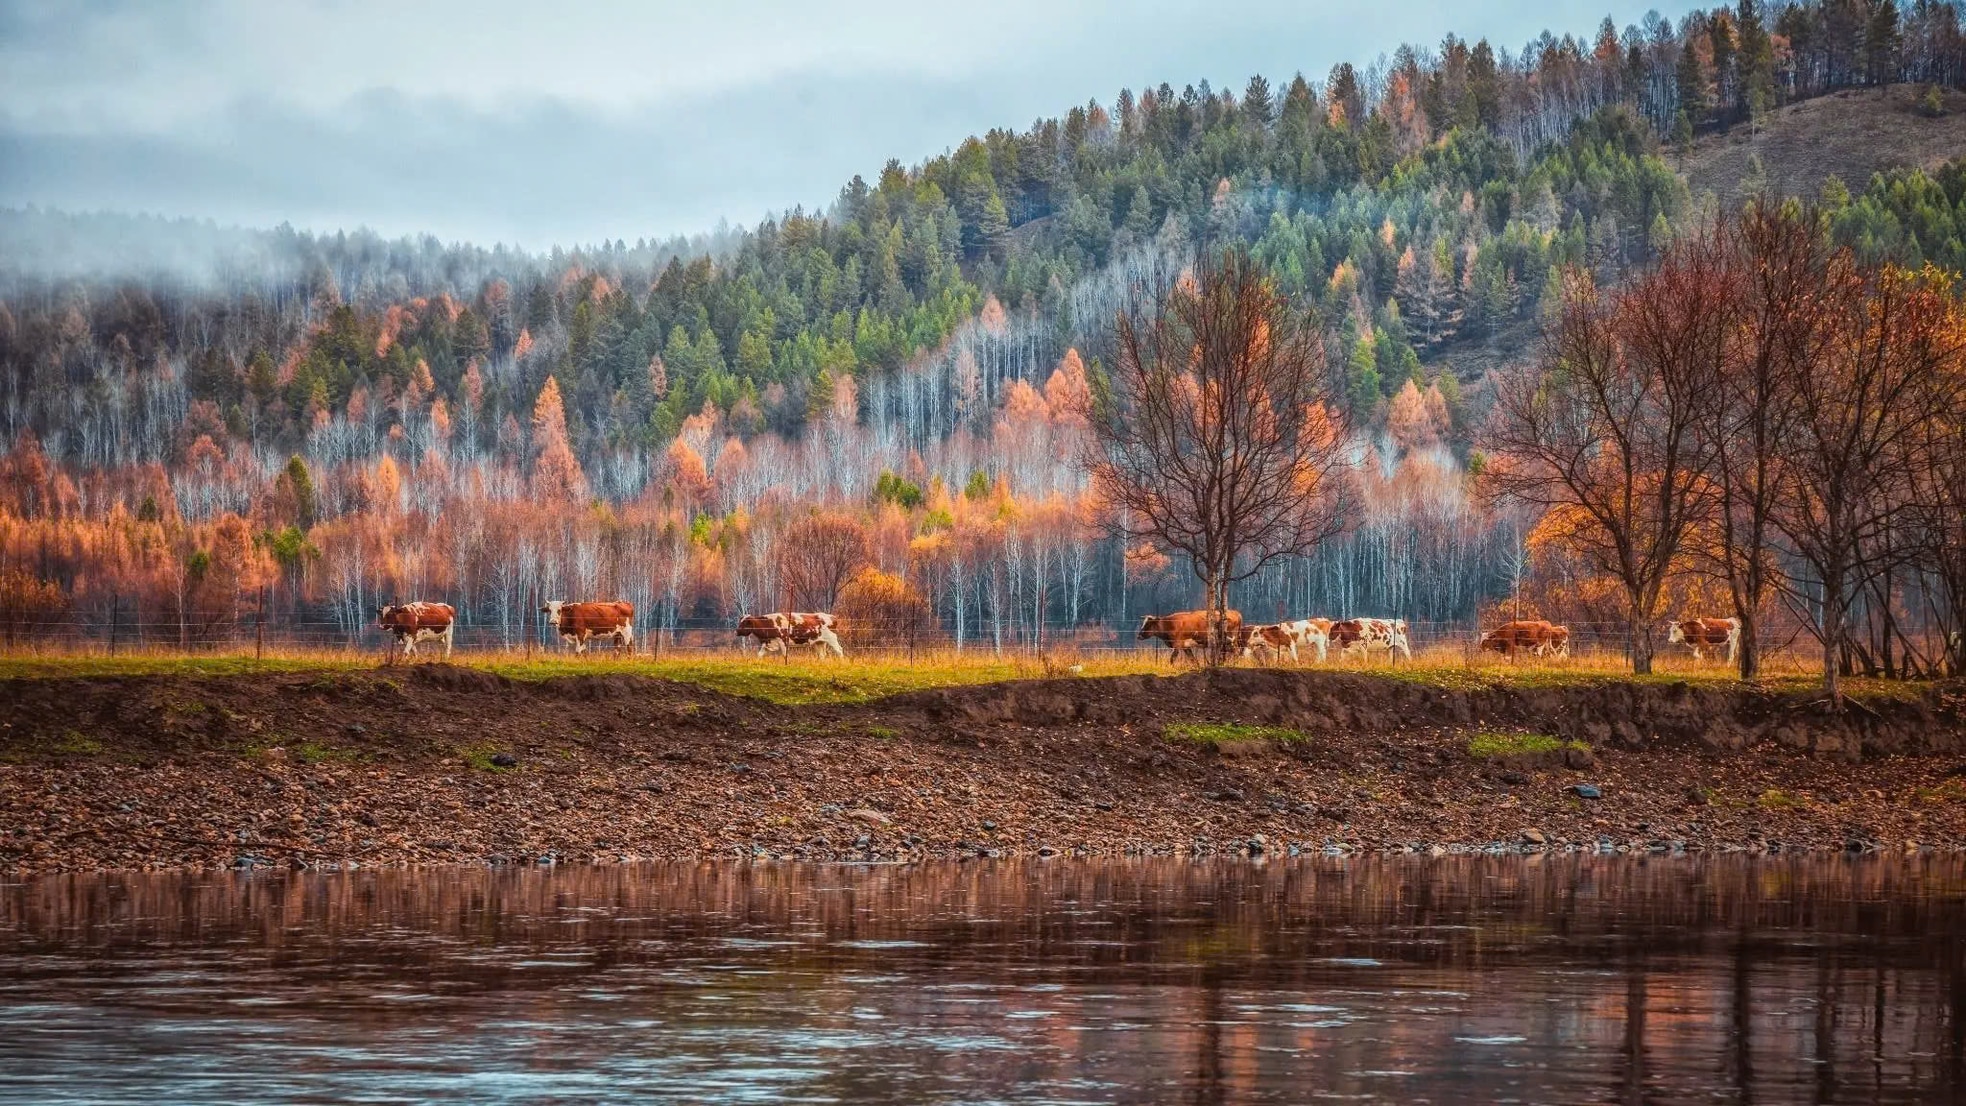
<point>1676,635</point>
<point>384,612</point>
<point>1150,626</point>
<point>552,608</point>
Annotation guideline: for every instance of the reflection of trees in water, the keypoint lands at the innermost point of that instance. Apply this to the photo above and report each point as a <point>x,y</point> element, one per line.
<point>1782,978</point>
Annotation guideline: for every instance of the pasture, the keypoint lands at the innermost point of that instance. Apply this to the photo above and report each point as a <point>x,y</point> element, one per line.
<point>869,674</point>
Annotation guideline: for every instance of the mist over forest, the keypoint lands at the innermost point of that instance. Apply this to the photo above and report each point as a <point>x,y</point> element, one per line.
<point>891,393</point>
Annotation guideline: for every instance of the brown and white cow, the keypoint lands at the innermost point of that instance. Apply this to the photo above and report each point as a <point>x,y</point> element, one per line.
<point>1362,635</point>
<point>414,622</point>
<point>1701,634</point>
<point>777,631</point>
<point>1270,638</point>
<point>1186,631</point>
<point>1280,637</point>
<point>580,623</point>
<point>1529,635</point>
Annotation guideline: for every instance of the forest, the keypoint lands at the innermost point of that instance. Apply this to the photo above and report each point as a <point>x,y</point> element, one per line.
<point>881,406</point>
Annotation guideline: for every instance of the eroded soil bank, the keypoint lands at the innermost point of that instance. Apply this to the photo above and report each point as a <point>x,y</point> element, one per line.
<point>434,763</point>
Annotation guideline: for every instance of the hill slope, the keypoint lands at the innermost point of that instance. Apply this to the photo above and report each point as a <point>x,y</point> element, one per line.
<point>1850,135</point>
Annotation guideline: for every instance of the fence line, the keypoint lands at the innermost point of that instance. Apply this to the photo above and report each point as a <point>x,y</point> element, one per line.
<point>708,637</point>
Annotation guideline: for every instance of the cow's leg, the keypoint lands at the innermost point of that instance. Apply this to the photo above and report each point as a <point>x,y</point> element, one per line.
<point>830,640</point>
<point>408,644</point>
<point>447,637</point>
<point>628,637</point>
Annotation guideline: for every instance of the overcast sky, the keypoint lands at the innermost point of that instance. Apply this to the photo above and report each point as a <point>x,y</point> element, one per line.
<point>537,123</point>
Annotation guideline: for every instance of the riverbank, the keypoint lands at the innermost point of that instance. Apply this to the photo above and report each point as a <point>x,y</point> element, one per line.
<point>434,763</point>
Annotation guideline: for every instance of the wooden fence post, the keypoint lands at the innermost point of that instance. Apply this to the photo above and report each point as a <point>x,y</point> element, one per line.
<point>115,601</point>
<point>259,629</point>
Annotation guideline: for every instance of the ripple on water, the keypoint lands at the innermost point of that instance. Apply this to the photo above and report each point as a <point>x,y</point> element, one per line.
<point>930,985</point>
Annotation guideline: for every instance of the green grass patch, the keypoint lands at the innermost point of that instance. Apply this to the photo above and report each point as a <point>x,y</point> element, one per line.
<point>1489,744</point>
<point>479,757</point>
<point>863,678</point>
<point>1776,799</point>
<point>1229,733</point>
<point>75,743</point>
<point>29,667</point>
<point>1951,791</point>
<point>884,733</point>
<point>313,752</point>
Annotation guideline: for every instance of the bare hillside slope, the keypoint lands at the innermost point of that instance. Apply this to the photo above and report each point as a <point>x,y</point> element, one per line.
<point>1850,135</point>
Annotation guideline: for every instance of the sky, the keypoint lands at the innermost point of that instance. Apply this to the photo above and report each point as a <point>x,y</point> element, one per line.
<point>538,124</point>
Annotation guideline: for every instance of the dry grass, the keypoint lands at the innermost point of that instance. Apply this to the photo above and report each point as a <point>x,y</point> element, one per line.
<point>870,675</point>
<point>1850,135</point>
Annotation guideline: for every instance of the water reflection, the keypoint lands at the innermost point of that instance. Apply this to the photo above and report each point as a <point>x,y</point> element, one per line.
<point>1461,980</point>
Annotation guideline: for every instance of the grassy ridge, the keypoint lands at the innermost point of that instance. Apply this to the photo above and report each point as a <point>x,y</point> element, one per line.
<point>862,679</point>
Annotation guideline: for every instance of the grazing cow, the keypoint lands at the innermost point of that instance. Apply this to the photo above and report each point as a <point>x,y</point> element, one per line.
<point>777,631</point>
<point>1529,635</point>
<point>1273,638</point>
<point>1185,631</point>
<point>1278,637</point>
<point>1314,632</point>
<point>1701,634</point>
<point>580,623</point>
<point>1363,635</point>
<point>414,622</point>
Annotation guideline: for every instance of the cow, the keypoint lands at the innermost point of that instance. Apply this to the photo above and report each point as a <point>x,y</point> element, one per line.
<point>1701,634</point>
<point>1278,637</point>
<point>1362,635</point>
<point>1184,631</point>
<point>1271,637</point>
<point>414,622</point>
<point>777,631</point>
<point>1529,635</point>
<point>1314,632</point>
<point>580,623</point>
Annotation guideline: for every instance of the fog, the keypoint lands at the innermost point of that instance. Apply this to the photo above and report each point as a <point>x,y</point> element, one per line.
<point>519,124</point>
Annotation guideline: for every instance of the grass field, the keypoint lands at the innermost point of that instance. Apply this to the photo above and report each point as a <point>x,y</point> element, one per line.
<point>861,678</point>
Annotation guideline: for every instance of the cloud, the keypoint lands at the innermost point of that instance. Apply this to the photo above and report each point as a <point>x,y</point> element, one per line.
<point>515,123</point>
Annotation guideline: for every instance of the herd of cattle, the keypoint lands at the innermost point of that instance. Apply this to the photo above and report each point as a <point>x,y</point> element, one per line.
<point>1185,633</point>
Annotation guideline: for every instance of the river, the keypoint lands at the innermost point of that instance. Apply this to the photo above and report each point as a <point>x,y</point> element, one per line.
<point>1457,980</point>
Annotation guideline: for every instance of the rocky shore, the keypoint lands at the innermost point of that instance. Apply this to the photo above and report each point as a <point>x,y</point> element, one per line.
<point>438,764</point>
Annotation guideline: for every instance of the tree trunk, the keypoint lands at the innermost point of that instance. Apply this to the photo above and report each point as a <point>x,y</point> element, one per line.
<point>1833,637</point>
<point>1750,657</point>
<point>1638,637</point>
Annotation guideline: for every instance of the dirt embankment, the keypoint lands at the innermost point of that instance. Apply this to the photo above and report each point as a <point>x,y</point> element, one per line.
<point>441,764</point>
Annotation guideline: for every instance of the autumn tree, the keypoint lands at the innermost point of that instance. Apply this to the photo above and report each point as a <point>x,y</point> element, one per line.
<point>876,606</point>
<point>817,554</point>
<point>1216,437</point>
<point>1861,411</point>
<point>556,474</point>
<point>1780,272</point>
<point>1604,424</point>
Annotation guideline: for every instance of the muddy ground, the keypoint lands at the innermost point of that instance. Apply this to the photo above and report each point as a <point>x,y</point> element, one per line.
<point>439,764</point>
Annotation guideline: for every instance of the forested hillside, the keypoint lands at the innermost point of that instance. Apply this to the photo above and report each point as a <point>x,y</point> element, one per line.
<point>885,398</point>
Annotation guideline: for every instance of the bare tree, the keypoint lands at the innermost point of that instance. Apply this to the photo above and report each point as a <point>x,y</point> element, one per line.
<point>1602,427</point>
<point>816,556</point>
<point>1862,411</point>
<point>1780,273</point>
<point>1216,438</point>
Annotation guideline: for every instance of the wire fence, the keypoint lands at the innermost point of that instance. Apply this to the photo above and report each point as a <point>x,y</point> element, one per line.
<point>1591,645</point>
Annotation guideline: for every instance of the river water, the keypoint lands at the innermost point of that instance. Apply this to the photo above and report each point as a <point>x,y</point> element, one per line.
<point>1463,981</point>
